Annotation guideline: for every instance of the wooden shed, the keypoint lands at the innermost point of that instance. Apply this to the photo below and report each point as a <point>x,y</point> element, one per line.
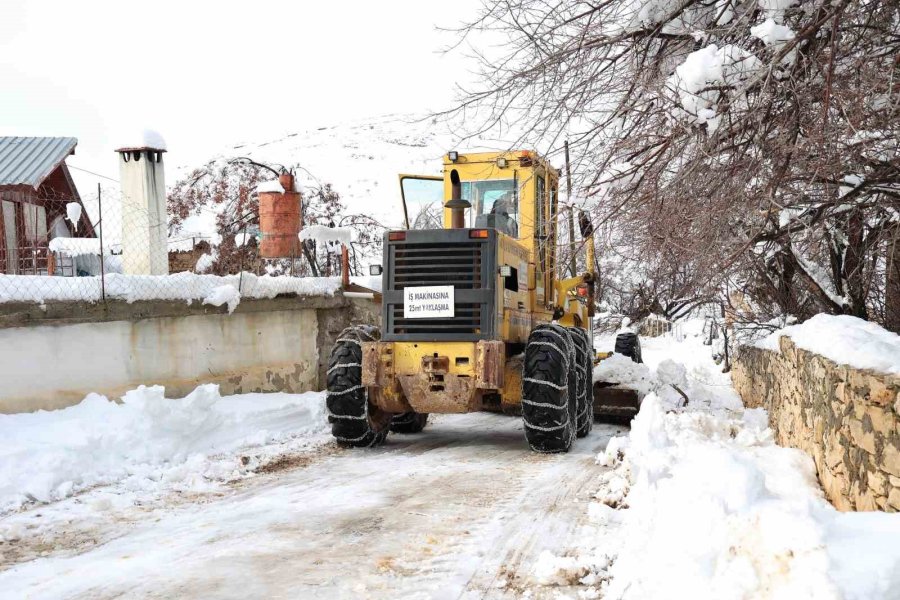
<point>36,190</point>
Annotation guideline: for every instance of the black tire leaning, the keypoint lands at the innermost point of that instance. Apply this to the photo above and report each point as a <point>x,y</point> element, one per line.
<point>409,422</point>
<point>583,366</point>
<point>548,392</point>
<point>629,344</point>
<point>355,422</point>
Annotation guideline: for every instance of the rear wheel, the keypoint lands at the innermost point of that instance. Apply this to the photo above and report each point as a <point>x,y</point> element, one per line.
<point>583,364</point>
<point>549,389</point>
<point>409,422</point>
<point>355,421</point>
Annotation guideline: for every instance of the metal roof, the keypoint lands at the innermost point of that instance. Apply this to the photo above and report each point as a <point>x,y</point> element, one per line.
<point>30,160</point>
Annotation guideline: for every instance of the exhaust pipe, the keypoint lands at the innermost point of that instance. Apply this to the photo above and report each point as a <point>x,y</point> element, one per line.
<point>456,204</point>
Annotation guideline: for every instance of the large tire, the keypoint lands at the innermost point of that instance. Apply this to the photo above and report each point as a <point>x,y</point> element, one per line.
<point>355,422</point>
<point>548,391</point>
<point>583,375</point>
<point>630,345</point>
<point>409,422</point>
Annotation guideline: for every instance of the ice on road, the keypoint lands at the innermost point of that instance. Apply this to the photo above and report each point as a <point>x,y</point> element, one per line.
<point>461,510</point>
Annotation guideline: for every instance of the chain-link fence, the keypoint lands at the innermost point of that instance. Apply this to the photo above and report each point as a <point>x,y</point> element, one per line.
<point>103,247</point>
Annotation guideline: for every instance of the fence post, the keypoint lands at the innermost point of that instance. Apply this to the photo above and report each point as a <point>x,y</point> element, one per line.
<point>102,259</point>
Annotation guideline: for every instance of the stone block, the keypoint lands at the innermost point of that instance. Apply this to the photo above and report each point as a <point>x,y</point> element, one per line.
<point>882,419</point>
<point>880,393</point>
<point>863,439</point>
<point>893,500</point>
<point>890,459</point>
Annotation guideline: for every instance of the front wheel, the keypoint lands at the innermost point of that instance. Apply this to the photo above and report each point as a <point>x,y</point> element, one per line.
<point>584,374</point>
<point>355,421</point>
<point>549,390</point>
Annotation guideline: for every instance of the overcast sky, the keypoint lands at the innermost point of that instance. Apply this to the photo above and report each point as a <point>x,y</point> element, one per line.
<point>208,75</point>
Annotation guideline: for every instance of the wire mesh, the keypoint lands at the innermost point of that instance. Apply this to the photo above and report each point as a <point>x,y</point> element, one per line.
<point>56,247</point>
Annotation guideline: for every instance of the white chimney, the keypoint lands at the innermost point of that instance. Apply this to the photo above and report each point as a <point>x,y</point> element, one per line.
<point>144,225</point>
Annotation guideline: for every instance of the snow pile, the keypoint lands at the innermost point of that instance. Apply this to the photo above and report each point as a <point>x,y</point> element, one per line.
<point>625,373</point>
<point>844,340</point>
<point>224,294</point>
<point>73,213</point>
<point>178,286</point>
<point>69,246</point>
<point>326,235</point>
<point>716,510</point>
<point>701,503</point>
<point>621,370</point>
<point>146,441</point>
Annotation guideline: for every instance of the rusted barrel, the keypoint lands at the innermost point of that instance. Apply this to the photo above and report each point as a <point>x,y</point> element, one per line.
<point>279,221</point>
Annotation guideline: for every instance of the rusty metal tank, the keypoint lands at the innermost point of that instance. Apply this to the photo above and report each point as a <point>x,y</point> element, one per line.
<point>279,221</point>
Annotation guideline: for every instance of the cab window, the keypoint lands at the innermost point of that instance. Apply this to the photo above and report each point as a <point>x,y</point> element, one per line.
<point>423,201</point>
<point>494,204</point>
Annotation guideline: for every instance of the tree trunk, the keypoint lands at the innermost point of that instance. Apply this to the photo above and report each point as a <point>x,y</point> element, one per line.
<point>892,286</point>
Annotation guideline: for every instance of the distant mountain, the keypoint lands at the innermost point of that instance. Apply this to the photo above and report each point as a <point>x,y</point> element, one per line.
<point>362,159</point>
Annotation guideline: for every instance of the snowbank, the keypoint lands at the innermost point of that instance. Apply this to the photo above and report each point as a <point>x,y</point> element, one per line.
<point>717,510</point>
<point>844,340</point>
<point>145,441</point>
<point>701,503</point>
<point>178,286</point>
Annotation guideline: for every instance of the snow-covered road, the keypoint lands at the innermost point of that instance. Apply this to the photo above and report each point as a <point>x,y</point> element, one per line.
<point>461,510</point>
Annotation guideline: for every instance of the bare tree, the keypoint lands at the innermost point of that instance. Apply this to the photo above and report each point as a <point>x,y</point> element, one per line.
<point>743,145</point>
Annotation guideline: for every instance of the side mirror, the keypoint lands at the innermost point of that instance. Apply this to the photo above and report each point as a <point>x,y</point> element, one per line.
<point>375,270</point>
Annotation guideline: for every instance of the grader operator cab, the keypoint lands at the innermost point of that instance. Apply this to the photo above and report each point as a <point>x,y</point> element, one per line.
<point>474,314</point>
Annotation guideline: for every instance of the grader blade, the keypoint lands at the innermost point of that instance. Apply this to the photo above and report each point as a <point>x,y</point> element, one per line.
<point>615,404</point>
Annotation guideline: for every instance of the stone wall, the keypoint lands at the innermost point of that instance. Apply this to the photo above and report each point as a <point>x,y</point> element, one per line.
<point>845,418</point>
<point>51,356</point>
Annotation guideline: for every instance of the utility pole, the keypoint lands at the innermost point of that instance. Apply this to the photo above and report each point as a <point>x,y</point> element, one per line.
<point>573,265</point>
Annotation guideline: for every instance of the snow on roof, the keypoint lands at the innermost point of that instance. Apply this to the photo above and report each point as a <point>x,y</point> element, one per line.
<point>324,235</point>
<point>270,186</point>
<point>73,247</point>
<point>844,340</point>
<point>146,139</point>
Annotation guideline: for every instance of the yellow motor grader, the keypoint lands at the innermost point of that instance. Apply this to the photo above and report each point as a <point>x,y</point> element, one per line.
<point>474,313</point>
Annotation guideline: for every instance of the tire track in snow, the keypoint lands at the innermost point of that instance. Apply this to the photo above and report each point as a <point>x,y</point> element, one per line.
<point>442,514</point>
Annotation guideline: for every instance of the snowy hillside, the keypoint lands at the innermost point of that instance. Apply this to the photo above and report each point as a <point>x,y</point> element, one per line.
<point>362,159</point>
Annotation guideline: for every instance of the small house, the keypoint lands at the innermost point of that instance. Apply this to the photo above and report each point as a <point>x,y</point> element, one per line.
<point>38,202</point>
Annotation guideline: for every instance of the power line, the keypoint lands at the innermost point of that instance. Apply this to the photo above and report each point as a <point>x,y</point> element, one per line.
<point>91,172</point>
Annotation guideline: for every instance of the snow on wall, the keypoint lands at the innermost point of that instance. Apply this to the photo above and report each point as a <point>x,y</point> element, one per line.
<point>178,286</point>
<point>846,419</point>
<point>845,340</point>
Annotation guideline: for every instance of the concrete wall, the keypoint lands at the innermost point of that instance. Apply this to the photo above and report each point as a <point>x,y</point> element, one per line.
<point>53,357</point>
<point>845,418</point>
